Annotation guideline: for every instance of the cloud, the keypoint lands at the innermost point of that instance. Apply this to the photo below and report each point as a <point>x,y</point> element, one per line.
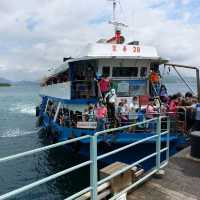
<point>35,35</point>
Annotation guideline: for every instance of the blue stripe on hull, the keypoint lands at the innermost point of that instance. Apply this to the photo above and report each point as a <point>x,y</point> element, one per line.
<point>73,101</point>
<point>110,143</point>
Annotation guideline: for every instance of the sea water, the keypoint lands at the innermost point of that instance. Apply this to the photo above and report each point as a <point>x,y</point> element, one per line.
<point>18,133</point>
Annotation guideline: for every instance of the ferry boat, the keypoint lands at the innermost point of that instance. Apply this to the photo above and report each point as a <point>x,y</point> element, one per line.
<point>68,91</point>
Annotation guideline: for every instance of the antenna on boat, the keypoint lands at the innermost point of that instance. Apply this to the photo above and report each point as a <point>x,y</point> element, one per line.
<point>117,26</point>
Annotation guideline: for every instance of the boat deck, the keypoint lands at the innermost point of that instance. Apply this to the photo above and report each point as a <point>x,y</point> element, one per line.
<point>180,182</point>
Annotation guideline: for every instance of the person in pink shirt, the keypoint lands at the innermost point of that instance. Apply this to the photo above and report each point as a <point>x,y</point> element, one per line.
<point>101,114</point>
<point>151,113</point>
<point>151,110</point>
<point>104,85</point>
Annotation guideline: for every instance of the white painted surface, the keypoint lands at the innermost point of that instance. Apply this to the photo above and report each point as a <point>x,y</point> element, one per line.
<point>60,90</point>
<point>63,67</point>
<point>118,50</point>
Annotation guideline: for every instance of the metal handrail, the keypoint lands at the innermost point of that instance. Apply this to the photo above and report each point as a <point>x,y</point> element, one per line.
<point>44,180</point>
<point>157,153</point>
<point>125,147</point>
<point>19,155</point>
<point>49,178</point>
<point>123,127</point>
<point>94,183</point>
<point>125,169</point>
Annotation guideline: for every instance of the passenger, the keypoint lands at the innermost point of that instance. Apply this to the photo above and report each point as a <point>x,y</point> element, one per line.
<point>189,98</point>
<point>66,117</point>
<point>196,125</point>
<point>104,85</point>
<point>154,77</point>
<point>126,106</point>
<point>150,110</point>
<point>101,114</point>
<point>122,114</point>
<point>157,103</point>
<point>133,109</point>
<point>154,83</point>
<point>111,101</point>
<point>134,104</point>
<point>91,113</point>
<point>141,118</point>
<point>90,75</point>
<point>163,94</point>
<point>85,115</point>
<point>173,105</point>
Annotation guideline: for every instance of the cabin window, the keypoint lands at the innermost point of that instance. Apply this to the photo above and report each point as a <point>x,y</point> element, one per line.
<point>143,72</point>
<point>84,89</point>
<point>125,72</point>
<point>106,71</point>
<point>130,88</point>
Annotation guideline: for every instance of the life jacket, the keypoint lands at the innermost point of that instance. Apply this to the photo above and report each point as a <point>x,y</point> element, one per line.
<point>154,77</point>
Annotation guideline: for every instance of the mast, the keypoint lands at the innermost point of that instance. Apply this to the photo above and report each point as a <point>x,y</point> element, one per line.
<point>117,25</point>
<point>114,10</point>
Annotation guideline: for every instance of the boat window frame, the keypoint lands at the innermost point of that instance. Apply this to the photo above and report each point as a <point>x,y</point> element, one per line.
<point>126,77</point>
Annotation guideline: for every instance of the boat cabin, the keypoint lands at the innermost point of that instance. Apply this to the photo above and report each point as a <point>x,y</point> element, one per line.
<point>127,66</point>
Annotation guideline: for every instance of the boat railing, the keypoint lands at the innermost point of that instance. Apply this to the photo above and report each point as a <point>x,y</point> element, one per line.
<point>178,120</point>
<point>95,157</point>
<point>156,154</point>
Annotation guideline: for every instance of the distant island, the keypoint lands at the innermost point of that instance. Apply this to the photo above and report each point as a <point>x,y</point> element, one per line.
<point>5,84</point>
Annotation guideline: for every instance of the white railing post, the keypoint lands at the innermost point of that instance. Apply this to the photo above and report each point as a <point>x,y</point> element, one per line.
<point>57,111</point>
<point>93,167</point>
<point>167,145</point>
<point>46,105</point>
<point>158,142</point>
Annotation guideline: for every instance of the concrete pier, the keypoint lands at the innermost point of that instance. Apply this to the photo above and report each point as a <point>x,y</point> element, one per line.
<point>180,182</point>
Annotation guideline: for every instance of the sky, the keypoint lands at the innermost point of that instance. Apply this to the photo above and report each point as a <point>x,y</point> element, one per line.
<point>36,34</point>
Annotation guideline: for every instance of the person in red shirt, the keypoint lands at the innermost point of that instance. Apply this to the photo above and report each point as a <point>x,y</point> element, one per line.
<point>101,114</point>
<point>104,85</point>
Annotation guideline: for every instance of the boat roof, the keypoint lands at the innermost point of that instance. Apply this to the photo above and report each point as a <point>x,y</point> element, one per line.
<point>107,50</point>
<point>113,51</point>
